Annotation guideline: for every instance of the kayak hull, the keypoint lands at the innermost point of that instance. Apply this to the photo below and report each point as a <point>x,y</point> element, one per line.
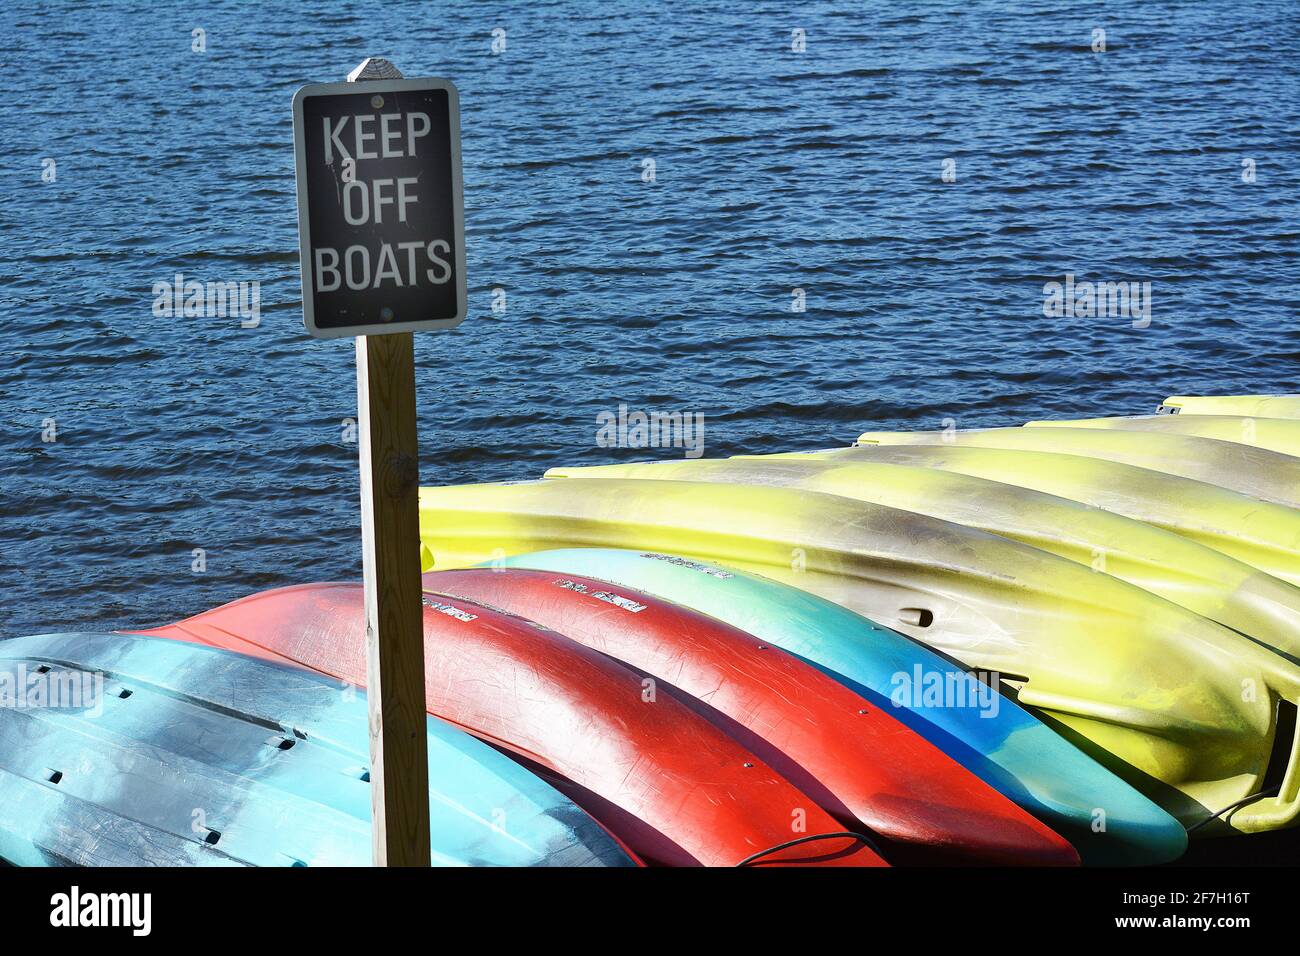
<point>1152,691</point>
<point>1262,474</point>
<point>1270,406</point>
<point>1263,535</point>
<point>1272,434</point>
<point>147,752</point>
<point>669,784</point>
<point>1188,574</point>
<point>987,733</point>
<point>864,766</point>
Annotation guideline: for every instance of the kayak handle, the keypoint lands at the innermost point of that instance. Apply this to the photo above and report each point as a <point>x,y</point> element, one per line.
<point>1277,803</point>
<point>841,834</point>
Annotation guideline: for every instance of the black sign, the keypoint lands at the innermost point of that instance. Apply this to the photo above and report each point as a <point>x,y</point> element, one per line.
<point>380,215</point>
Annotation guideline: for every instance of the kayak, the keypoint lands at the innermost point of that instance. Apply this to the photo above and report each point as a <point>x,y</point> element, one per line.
<point>987,733</point>
<point>146,752</point>
<point>858,761</point>
<point>1262,474</point>
<point>1272,406</point>
<point>1151,690</point>
<point>1263,535</point>
<point>1281,435</point>
<point>671,785</point>
<point>1188,574</point>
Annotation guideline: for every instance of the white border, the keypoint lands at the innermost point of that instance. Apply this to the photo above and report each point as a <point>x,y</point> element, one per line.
<point>304,224</point>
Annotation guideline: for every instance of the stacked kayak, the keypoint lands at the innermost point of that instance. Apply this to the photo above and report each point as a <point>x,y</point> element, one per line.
<point>970,721</point>
<point>673,786</point>
<point>1267,406</point>
<point>1132,591</point>
<point>1248,469</point>
<point>1260,534</point>
<point>121,750</point>
<point>1072,641</point>
<point>1189,574</point>
<point>860,763</point>
<point>1145,686</point>
<point>1272,434</point>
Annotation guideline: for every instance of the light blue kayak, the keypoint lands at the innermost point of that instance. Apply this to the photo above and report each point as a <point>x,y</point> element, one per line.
<point>125,750</point>
<point>1108,821</point>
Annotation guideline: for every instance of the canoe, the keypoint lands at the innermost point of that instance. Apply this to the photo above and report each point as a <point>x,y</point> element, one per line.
<point>671,785</point>
<point>1281,435</point>
<point>1270,406</point>
<point>1151,690</point>
<point>1262,474</point>
<point>147,752</point>
<point>987,733</point>
<point>858,761</point>
<point>1263,535</point>
<point>1193,576</point>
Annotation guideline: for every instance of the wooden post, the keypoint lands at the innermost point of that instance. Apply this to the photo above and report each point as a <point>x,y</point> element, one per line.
<point>399,757</point>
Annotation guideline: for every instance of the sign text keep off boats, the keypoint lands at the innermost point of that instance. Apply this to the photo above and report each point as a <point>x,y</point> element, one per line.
<point>379,206</point>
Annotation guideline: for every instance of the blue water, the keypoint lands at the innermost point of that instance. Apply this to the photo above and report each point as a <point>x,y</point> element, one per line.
<point>774,170</point>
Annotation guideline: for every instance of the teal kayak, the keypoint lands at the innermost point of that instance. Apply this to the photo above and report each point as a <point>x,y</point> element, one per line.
<point>1108,821</point>
<point>125,750</point>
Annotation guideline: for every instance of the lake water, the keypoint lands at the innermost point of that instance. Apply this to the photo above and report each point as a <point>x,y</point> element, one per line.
<point>773,170</point>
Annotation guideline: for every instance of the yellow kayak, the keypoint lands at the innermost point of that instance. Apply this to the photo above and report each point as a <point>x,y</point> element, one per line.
<point>1180,707</point>
<point>1274,434</point>
<point>1188,574</point>
<point>1266,475</point>
<point>1265,536</point>
<point>1269,406</point>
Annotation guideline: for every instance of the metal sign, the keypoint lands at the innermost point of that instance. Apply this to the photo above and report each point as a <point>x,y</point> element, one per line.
<point>380,211</point>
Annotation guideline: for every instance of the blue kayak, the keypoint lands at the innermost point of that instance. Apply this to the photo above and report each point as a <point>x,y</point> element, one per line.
<point>1108,821</point>
<point>125,750</point>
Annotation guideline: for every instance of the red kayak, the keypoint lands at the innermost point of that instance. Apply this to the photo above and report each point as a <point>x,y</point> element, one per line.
<point>861,764</point>
<point>674,787</point>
